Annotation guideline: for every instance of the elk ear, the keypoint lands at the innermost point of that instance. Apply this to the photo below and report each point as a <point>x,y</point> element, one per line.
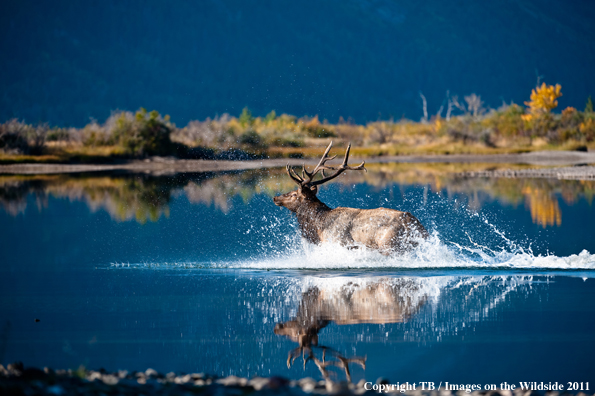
<point>314,189</point>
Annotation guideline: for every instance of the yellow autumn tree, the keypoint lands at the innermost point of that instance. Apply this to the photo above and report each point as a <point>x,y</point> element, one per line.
<point>543,100</point>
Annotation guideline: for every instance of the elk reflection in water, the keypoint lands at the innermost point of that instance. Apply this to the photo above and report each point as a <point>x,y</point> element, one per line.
<point>419,310</point>
<point>379,302</point>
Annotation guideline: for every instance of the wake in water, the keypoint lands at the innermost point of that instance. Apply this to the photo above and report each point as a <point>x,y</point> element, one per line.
<point>432,253</point>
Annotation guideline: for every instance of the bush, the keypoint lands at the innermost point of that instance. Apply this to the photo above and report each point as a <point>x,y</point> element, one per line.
<point>270,117</point>
<point>314,128</point>
<point>37,138</point>
<point>58,135</point>
<point>350,133</point>
<point>145,133</point>
<point>507,121</point>
<point>541,126</point>
<point>94,134</point>
<point>251,138</point>
<point>209,133</point>
<point>19,138</point>
<point>589,106</point>
<point>287,139</point>
<point>13,137</point>
<point>587,128</point>
<point>469,130</point>
<point>379,132</point>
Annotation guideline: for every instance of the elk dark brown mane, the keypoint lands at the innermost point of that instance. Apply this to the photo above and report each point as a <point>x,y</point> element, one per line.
<point>386,230</point>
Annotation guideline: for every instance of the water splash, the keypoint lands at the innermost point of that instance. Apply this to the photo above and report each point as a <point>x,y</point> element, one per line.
<point>430,254</point>
<point>460,238</point>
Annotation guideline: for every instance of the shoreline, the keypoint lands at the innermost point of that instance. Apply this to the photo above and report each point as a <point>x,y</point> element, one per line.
<point>164,166</point>
<point>16,379</point>
<point>565,173</point>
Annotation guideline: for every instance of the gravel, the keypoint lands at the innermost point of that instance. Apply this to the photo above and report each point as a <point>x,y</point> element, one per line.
<point>564,173</point>
<point>15,379</point>
<point>165,166</point>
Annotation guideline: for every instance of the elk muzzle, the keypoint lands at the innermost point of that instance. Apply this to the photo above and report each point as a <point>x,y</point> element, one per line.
<point>278,200</point>
<point>289,200</point>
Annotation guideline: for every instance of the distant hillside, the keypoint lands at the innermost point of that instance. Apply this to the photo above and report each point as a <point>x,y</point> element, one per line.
<point>65,61</point>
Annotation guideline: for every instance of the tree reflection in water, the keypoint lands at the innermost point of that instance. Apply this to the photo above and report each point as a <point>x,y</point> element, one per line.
<point>145,197</point>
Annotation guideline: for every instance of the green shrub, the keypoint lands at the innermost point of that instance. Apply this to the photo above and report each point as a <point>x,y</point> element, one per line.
<point>542,126</point>
<point>251,138</point>
<point>94,134</point>
<point>58,135</point>
<point>147,133</point>
<point>287,140</point>
<point>379,132</point>
<point>469,129</point>
<point>270,117</point>
<point>507,121</point>
<point>314,128</point>
<point>589,106</point>
<point>246,118</point>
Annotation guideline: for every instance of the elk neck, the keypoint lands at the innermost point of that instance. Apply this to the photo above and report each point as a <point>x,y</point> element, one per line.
<point>311,215</point>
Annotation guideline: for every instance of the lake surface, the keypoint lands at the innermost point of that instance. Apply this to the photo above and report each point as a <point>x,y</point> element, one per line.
<point>203,273</point>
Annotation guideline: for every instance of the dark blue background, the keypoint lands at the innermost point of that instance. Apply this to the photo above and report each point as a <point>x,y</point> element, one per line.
<point>65,61</point>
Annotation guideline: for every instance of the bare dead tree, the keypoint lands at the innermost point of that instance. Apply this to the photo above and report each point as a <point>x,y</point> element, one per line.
<point>539,77</point>
<point>474,104</point>
<point>424,107</point>
<point>457,104</point>
<point>449,107</point>
<point>439,113</point>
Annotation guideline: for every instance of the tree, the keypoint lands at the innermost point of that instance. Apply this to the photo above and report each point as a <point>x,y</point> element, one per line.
<point>474,104</point>
<point>589,106</point>
<point>544,99</point>
<point>246,118</point>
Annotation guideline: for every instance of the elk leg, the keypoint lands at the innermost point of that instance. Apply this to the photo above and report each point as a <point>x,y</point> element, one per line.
<point>293,355</point>
<point>347,241</point>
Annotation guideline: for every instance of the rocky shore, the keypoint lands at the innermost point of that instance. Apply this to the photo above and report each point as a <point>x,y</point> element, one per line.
<point>167,165</point>
<point>15,379</point>
<point>562,173</point>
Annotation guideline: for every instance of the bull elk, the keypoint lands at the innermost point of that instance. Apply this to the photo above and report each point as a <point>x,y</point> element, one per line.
<point>386,230</point>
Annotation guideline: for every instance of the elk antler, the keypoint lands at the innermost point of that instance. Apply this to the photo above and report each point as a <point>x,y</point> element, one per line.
<point>306,180</point>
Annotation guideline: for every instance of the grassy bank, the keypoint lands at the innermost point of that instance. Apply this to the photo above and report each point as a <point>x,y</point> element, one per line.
<point>465,127</point>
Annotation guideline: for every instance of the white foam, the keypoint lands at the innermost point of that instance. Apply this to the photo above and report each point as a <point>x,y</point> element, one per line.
<point>432,253</point>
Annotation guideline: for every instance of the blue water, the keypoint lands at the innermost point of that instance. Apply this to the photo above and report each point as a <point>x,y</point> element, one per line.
<point>493,296</point>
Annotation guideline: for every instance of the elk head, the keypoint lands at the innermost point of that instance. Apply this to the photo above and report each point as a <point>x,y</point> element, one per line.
<point>307,186</point>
